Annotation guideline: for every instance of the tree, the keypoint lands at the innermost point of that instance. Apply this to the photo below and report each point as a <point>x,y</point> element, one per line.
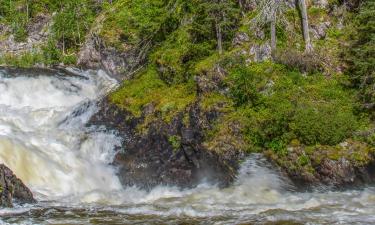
<point>220,16</point>
<point>305,25</point>
<point>361,54</point>
<point>270,12</point>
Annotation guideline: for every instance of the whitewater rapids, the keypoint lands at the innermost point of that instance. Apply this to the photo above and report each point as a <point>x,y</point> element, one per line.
<point>44,140</point>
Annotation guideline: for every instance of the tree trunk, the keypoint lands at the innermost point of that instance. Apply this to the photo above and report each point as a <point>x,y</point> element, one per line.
<point>273,35</point>
<point>305,26</point>
<point>219,36</point>
<point>27,10</point>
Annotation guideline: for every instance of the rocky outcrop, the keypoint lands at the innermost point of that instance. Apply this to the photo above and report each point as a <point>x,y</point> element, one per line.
<point>166,153</point>
<point>118,62</point>
<point>12,189</point>
<point>38,31</point>
<point>96,55</point>
<point>349,164</point>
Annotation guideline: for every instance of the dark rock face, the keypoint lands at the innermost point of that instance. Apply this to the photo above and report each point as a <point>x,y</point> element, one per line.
<point>149,158</point>
<point>12,189</point>
<point>120,64</point>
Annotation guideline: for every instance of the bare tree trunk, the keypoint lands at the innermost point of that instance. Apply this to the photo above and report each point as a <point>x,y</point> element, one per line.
<point>63,36</point>
<point>305,26</point>
<point>27,10</point>
<point>219,37</point>
<point>273,35</point>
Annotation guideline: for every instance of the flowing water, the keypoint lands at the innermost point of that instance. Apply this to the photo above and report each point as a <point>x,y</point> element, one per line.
<point>43,139</point>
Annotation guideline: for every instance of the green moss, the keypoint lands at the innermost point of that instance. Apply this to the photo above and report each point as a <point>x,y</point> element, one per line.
<point>148,88</point>
<point>317,14</point>
<point>175,141</point>
<point>216,101</point>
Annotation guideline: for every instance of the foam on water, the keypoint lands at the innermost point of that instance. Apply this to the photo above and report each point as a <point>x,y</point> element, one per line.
<point>56,157</point>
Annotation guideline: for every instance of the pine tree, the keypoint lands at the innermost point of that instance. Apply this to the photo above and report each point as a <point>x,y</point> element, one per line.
<point>361,57</point>
<point>217,18</point>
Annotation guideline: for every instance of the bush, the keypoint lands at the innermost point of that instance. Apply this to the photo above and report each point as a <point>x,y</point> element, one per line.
<point>323,124</point>
<point>282,105</point>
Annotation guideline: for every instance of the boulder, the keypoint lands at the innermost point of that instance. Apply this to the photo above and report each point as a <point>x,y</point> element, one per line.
<point>349,164</point>
<point>12,189</point>
<point>166,153</point>
<point>95,54</point>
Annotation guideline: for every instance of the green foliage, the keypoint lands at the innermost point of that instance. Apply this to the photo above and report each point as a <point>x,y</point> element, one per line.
<point>212,15</point>
<point>140,22</point>
<point>25,60</point>
<point>71,23</point>
<point>172,55</point>
<point>15,14</point>
<point>175,141</point>
<point>361,54</point>
<point>282,105</point>
<point>148,88</point>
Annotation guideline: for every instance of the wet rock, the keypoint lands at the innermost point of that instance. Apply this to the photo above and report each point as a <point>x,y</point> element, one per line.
<point>12,189</point>
<point>148,158</point>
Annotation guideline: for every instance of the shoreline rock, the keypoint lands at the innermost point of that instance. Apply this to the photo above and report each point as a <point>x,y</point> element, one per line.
<point>166,153</point>
<point>12,190</point>
<point>348,165</point>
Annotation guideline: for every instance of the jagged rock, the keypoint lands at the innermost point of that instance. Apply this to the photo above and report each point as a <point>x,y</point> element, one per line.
<point>241,38</point>
<point>319,30</point>
<point>38,30</point>
<point>321,3</point>
<point>210,80</point>
<point>261,52</point>
<point>96,55</point>
<point>148,159</point>
<point>12,189</point>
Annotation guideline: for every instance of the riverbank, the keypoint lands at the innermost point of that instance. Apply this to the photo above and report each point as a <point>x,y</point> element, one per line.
<point>189,111</point>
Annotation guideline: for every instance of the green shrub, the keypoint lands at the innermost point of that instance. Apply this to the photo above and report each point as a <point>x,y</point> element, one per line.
<point>361,54</point>
<point>323,124</point>
<point>282,105</point>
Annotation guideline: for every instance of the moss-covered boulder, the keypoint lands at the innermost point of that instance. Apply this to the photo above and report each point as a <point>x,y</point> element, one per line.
<point>348,164</point>
<point>12,189</point>
<point>159,151</point>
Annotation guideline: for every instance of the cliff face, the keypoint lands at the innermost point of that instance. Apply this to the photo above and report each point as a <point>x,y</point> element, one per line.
<point>12,189</point>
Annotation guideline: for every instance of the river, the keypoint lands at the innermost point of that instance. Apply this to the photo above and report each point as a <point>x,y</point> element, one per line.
<point>44,140</point>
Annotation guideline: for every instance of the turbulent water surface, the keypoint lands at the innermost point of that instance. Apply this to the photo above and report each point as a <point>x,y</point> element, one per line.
<point>43,139</point>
